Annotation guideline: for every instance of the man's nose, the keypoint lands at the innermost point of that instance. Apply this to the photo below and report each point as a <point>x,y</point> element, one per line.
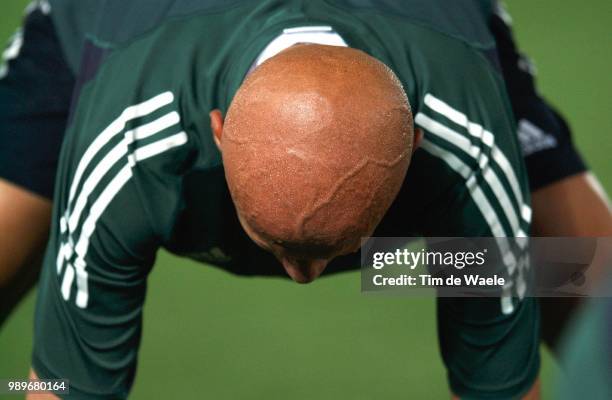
<point>303,270</point>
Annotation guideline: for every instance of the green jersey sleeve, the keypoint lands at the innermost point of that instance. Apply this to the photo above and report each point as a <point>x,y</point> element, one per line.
<point>139,126</point>
<point>471,168</point>
<point>105,236</point>
<point>117,195</point>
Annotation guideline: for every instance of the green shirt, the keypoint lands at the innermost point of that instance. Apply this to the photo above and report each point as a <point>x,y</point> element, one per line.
<point>139,169</point>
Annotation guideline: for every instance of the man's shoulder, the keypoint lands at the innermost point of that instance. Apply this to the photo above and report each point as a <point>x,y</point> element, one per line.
<point>465,20</point>
<point>124,78</point>
<point>114,23</point>
<point>119,22</point>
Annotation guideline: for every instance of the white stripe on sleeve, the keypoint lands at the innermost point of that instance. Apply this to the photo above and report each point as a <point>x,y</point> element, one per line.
<point>476,130</point>
<point>130,113</point>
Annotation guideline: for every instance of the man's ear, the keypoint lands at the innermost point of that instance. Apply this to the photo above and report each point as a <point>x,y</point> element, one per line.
<point>417,138</point>
<point>216,125</point>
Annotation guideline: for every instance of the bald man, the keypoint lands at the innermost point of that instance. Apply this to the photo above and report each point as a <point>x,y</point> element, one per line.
<point>310,173</point>
<point>168,145</point>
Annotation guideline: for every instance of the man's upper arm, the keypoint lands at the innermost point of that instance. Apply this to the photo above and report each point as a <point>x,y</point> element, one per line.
<point>90,298</point>
<point>470,161</point>
<point>478,336</point>
<point>485,179</point>
<point>117,196</point>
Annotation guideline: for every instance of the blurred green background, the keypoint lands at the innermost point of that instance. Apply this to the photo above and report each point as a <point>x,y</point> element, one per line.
<point>210,335</point>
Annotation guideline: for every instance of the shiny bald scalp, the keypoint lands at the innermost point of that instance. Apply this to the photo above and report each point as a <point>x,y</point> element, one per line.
<point>316,145</point>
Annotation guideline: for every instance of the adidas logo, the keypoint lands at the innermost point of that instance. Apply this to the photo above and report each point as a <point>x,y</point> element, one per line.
<point>534,139</point>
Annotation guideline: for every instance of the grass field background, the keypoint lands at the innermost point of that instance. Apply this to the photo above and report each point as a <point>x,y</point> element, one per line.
<point>210,335</point>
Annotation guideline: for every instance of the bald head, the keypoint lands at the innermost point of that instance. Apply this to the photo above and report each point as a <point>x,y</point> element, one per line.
<point>315,146</point>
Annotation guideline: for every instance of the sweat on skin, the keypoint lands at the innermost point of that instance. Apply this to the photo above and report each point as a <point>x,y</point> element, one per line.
<point>315,145</point>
